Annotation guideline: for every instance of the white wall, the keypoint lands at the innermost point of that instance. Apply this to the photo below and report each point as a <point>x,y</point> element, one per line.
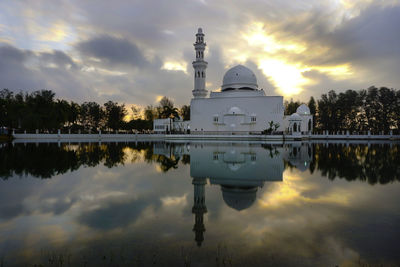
<point>266,108</point>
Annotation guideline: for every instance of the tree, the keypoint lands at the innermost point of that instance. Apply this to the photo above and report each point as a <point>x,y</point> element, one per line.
<point>291,107</point>
<point>386,109</point>
<point>73,114</point>
<point>114,115</point>
<point>136,112</point>
<point>62,109</point>
<point>272,127</point>
<point>149,113</point>
<point>327,112</point>
<point>185,112</point>
<point>40,110</point>
<point>165,101</point>
<point>397,110</point>
<point>312,105</point>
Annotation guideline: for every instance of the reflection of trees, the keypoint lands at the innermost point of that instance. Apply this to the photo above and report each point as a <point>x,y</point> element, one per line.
<point>47,160</point>
<point>376,163</point>
<point>115,155</point>
<point>185,159</point>
<point>42,161</point>
<point>273,152</point>
<point>166,162</point>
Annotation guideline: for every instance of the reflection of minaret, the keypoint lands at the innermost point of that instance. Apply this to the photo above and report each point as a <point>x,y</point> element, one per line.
<point>199,208</point>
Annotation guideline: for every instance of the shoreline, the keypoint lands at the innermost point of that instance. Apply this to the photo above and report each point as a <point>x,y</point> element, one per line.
<point>192,137</point>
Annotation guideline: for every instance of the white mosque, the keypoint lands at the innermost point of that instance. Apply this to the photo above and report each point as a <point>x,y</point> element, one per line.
<point>240,107</point>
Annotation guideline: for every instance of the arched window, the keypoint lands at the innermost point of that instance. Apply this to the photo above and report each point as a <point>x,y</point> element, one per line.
<point>299,128</point>
<point>295,127</point>
<point>202,74</point>
<point>309,125</point>
<point>198,74</point>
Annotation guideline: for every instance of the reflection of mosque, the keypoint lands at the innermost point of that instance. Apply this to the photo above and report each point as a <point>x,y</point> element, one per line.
<point>299,155</point>
<point>238,168</point>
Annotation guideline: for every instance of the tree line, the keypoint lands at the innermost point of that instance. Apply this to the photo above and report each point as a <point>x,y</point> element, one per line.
<point>41,110</point>
<point>374,109</point>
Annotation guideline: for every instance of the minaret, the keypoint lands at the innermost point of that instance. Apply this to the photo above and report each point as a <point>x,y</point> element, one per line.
<point>199,208</point>
<point>199,66</point>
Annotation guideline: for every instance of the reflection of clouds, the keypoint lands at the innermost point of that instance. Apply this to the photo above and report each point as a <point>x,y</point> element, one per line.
<point>52,235</point>
<point>295,190</point>
<point>305,220</point>
<point>114,214</point>
<point>174,201</point>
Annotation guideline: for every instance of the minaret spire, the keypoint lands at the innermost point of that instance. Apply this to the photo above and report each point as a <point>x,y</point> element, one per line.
<point>199,208</point>
<point>199,66</point>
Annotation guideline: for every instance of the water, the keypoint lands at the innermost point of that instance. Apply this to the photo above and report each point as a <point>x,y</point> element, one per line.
<point>200,204</point>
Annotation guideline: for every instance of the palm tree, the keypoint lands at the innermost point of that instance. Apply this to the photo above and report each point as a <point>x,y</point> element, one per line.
<point>169,112</point>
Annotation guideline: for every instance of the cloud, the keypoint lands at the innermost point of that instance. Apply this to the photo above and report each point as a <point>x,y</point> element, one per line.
<point>58,58</point>
<point>135,51</point>
<point>113,51</point>
<point>28,71</point>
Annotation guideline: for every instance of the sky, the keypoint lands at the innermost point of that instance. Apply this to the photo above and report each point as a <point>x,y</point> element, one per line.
<point>135,52</point>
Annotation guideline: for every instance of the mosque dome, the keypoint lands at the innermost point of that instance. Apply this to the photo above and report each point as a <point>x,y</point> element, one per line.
<point>239,77</point>
<point>239,198</point>
<point>303,110</point>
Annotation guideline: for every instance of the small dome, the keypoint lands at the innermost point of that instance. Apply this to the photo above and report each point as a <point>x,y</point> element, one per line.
<point>303,110</point>
<point>234,166</point>
<point>235,110</point>
<point>239,198</point>
<point>200,30</point>
<point>295,117</point>
<point>239,77</point>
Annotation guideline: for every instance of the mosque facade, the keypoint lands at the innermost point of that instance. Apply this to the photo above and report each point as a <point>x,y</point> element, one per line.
<point>240,107</point>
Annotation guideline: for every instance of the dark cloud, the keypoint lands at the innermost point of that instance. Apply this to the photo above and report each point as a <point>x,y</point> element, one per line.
<point>11,210</point>
<point>57,57</point>
<point>28,71</point>
<point>113,50</point>
<point>372,35</point>
<point>115,214</point>
<point>13,73</point>
<point>10,54</point>
<point>137,38</point>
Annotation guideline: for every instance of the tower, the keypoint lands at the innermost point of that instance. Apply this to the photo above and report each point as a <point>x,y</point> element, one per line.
<point>199,208</point>
<point>199,66</point>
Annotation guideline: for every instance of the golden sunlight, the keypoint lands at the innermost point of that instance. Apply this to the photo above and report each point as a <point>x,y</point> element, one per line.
<point>257,36</point>
<point>176,66</point>
<point>340,71</point>
<point>56,33</point>
<point>286,77</point>
<point>292,191</point>
<point>283,192</point>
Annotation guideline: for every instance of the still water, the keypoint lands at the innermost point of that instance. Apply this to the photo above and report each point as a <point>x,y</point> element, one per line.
<point>200,204</point>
